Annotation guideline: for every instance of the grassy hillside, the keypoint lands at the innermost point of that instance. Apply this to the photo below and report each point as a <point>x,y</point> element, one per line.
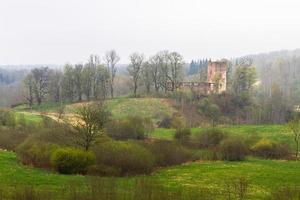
<point>144,107</point>
<point>261,175</point>
<point>29,117</point>
<point>12,173</point>
<point>273,132</point>
<point>154,108</point>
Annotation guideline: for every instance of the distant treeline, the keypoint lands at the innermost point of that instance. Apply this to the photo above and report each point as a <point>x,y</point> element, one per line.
<point>262,88</point>
<point>9,76</point>
<point>196,66</point>
<point>95,79</point>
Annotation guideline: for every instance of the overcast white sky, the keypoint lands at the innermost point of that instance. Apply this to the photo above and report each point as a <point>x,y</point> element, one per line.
<point>60,31</point>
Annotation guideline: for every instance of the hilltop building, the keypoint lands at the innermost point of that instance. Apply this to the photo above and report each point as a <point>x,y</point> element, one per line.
<point>216,74</point>
<point>216,79</point>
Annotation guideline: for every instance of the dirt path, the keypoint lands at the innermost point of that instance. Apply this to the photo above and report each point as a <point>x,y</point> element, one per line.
<point>68,118</point>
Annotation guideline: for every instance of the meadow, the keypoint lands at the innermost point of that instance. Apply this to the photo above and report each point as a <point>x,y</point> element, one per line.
<point>263,176</point>
<point>275,132</point>
<point>260,176</point>
<point>120,108</point>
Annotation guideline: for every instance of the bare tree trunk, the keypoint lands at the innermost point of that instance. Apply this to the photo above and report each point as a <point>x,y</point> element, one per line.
<point>112,89</point>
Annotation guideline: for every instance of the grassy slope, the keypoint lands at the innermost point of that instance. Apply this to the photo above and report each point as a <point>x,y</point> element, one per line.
<point>12,173</point>
<point>29,117</point>
<point>263,175</point>
<point>154,108</point>
<point>273,132</point>
<point>277,132</point>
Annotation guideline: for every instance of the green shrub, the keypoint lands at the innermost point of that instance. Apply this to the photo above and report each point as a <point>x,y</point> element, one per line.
<point>10,138</point>
<point>26,192</point>
<point>233,149</point>
<point>129,157</point>
<point>131,128</point>
<point>58,133</point>
<point>270,150</point>
<point>285,193</point>
<point>36,153</point>
<point>166,122</point>
<point>7,118</point>
<point>183,135</point>
<point>104,170</point>
<point>210,138</point>
<point>168,153</point>
<point>71,160</point>
<point>205,154</point>
<point>178,121</point>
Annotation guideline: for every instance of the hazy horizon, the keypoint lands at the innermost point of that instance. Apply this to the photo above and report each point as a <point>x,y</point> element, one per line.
<point>57,32</point>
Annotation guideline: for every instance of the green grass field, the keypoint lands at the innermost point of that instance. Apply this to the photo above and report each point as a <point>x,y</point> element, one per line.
<point>154,108</point>
<point>250,132</point>
<point>262,175</point>
<point>29,117</point>
<point>13,173</point>
<point>45,107</point>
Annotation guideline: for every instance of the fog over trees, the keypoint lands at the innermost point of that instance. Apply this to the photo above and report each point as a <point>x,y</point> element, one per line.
<point>264,87</point>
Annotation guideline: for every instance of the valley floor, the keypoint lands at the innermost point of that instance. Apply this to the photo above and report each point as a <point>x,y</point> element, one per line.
<point>262,176</point>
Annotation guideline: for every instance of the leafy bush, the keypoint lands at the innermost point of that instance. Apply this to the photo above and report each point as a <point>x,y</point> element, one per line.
<point>285,193</point>
<point>183,135</point>
<point>26,192</point>
<point>178,121</point>
<point>71,160</point>
<point>7,118</point>
<point>209,110</point>
<point>168,153</point>
<point>271,150</point>
<point>210,138</point>
<point>130,128</point>
<point>166,122</point>
<point>57,133</point>
<point>129,157</point>
<point>233,149</point>
<point>104,170</point>
<point>205,154</point>
<point>10,138</point>
<point>36,153</point>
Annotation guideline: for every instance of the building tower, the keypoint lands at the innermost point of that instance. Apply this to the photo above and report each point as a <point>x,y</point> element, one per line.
<point>216,74</point>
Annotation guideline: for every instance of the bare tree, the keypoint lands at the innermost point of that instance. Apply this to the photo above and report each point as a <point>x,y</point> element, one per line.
<point>90,125</point>
<point>68,82</point>
<point>147,76</point>
<point>28,83</point>
<point>55,85</point>
<point>155,72</point>
<point>88,73</point>
<point>176,67</point>
<point>60,112</point>
<point>78,80</point>
<point>164,63</point>
<point>134,69</point>
<point>101,82</point>
<point>294,126</point>
<point>112,59</point>
<point>40,86</point>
